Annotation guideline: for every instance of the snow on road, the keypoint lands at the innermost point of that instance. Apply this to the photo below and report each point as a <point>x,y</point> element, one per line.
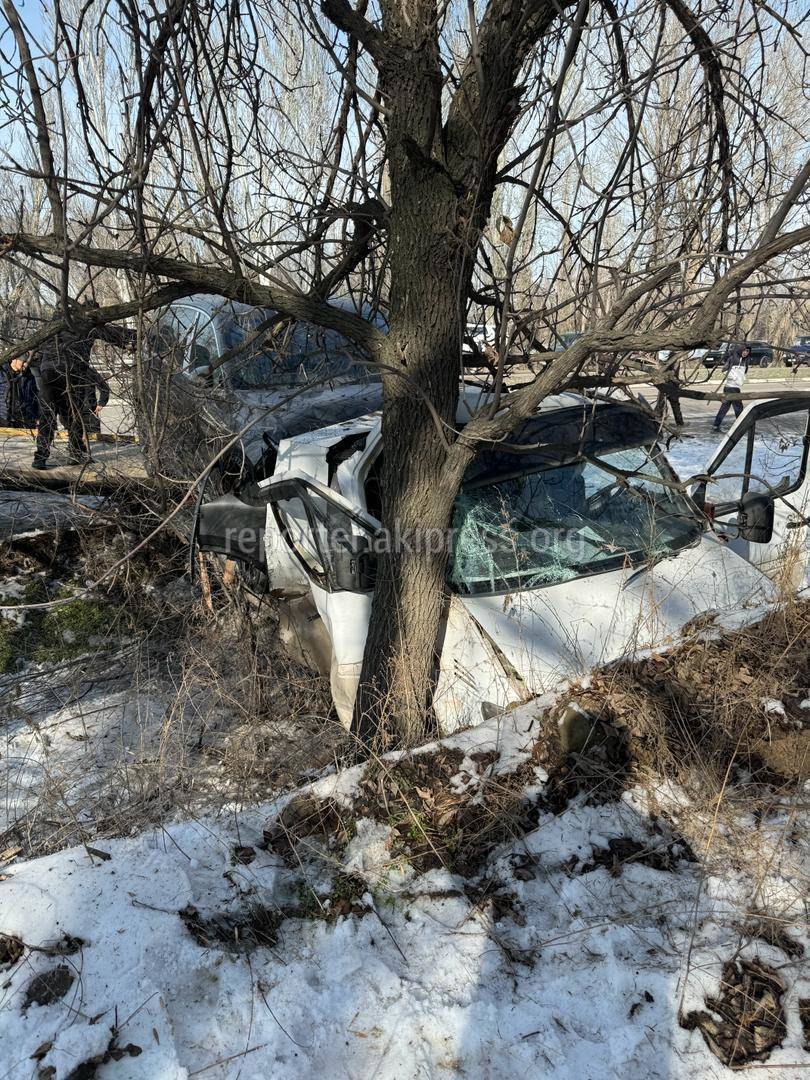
<point>580,975</point>
<point>690,454</point>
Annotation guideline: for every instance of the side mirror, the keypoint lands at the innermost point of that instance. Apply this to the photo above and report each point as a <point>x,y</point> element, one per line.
<point>755,515</point>
<point>354,564</point>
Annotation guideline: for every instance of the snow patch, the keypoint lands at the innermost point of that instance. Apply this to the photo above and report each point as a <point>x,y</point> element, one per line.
<point>568,972</point>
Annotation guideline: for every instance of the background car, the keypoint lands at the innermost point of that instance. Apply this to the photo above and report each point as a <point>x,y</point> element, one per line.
<point>761,354</point>
<point>799,352</point>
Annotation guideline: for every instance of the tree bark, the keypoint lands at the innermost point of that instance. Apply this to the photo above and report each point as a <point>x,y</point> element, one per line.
<point>429,271</point>
<point>442,177</point>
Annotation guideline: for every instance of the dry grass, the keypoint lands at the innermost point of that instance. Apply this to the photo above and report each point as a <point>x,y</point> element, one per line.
<point>440,807</point>
<point>263,721</point>
<point>713,731</point>
<point>169,709</point>
<point>699,720</point>
<point>705,712</point>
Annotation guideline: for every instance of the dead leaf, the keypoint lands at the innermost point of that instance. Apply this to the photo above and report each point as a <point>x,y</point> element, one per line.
<point>506,230</point>
<point>243,854</point>
<point>49,986</point>
<point>11,950</point>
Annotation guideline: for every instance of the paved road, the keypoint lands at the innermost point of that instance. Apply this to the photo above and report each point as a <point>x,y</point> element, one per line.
<point>113,464</point>
<point>117,418</point>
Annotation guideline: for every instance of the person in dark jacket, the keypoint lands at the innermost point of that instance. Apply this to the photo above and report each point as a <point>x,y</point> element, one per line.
<point>22,402</point>
<point>65,378</point>
<point>91,410</point>
<point>736,369</point>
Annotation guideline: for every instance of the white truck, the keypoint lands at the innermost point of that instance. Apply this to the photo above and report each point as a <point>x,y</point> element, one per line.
<point>578,550</point>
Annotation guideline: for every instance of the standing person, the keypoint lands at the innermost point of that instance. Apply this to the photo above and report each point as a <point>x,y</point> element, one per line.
<point>22,404</point>
<point>668,388</point>
<point>65,378</point>
<point>736,369</point>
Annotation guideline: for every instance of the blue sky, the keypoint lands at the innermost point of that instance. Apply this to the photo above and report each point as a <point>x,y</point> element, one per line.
<point>31,15</point>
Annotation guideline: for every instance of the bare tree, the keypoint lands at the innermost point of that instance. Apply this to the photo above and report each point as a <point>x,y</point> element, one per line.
<point>556,163</point>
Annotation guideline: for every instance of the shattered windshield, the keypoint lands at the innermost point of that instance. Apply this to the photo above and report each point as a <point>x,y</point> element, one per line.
<point>287,354</point>
<point>517,526</point>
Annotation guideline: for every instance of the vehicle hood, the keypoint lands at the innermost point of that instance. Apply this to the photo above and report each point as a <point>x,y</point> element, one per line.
<point>286,412</point>
<point>564,630</point>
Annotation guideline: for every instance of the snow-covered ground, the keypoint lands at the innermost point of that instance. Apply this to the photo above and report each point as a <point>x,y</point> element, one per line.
<point>580,968</point>
<point>67,745</point>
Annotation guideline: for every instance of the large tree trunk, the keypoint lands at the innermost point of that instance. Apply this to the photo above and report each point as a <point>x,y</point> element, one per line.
<point>393,702</point>
<point>429,284</point>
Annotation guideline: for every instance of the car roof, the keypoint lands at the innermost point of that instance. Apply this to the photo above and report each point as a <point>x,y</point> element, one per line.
<point>217,306</point>
<point>211,304</point>
<point>568,405</point>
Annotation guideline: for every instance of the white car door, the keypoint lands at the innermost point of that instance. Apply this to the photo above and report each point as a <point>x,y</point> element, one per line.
<point>333,542</point>
<point>765,454</point>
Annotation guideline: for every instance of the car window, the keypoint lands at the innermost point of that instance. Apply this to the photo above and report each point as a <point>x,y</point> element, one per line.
<point>538,528</point>
<point>315,528</point>
<point>728,486</point>
<point>779,454</point>
<point>523,525</point>
<point>300,529</point>
<point>769,456</point>
<point>196,331</point>
<point>288,354</point>
<point>162,336</point>
<point>189,334</point>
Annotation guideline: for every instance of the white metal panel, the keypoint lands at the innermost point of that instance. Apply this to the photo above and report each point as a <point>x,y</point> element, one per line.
<point>552,633</point>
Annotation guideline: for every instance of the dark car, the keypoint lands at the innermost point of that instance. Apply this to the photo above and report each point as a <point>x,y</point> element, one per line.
<point>761,353</point>
<point>279,378</point>
<point>799,352</point>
